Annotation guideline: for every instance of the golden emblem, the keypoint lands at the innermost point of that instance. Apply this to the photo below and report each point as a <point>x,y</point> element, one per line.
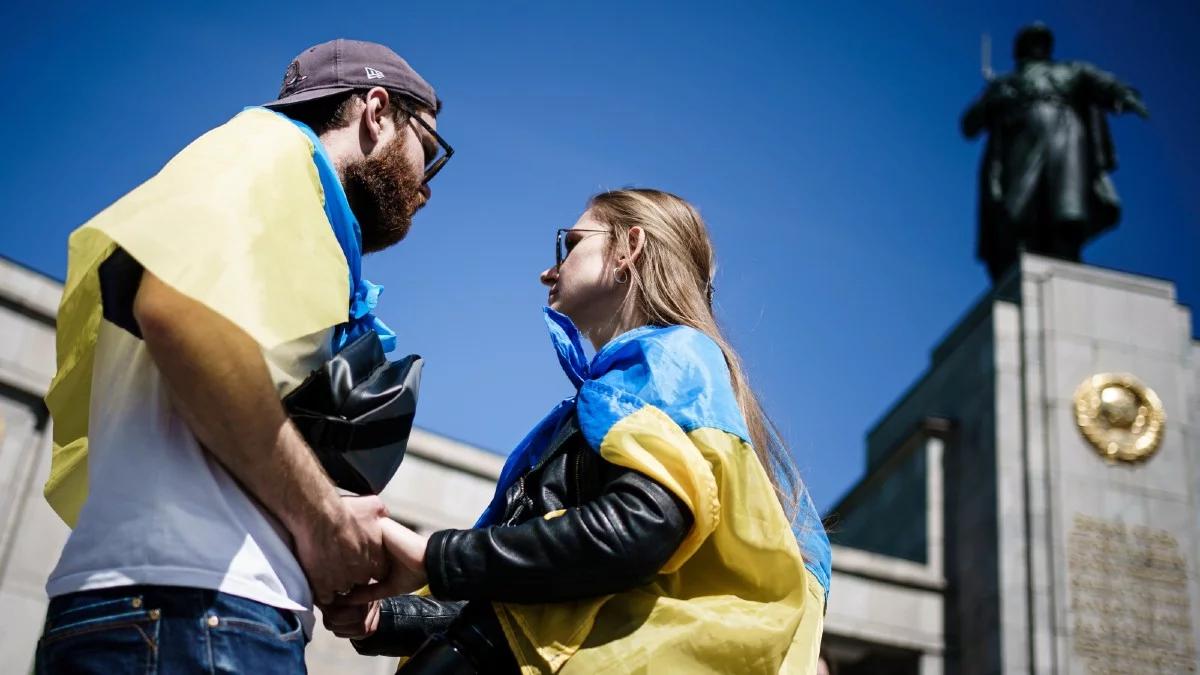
<point>1122,418</point>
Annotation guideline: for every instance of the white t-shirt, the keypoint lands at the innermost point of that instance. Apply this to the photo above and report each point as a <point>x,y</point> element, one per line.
<point>160,510</point>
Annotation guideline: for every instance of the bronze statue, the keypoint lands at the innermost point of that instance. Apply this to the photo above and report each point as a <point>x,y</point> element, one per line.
<point>1044,184</point>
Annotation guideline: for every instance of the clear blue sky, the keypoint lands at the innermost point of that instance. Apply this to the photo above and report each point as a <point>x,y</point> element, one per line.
<point>819,139</point>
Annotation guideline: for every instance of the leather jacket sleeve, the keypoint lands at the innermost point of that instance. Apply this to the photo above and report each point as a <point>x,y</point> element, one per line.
<point>405,622</point>
<point>614,542</point>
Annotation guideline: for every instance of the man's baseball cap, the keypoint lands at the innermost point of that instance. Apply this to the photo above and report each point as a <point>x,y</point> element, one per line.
<point>343,65</point>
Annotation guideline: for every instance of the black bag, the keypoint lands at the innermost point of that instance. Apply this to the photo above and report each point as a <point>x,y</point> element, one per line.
<point>356,412</point>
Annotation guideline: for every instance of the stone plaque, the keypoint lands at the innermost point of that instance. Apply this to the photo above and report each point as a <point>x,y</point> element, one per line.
<point>1130,605</point>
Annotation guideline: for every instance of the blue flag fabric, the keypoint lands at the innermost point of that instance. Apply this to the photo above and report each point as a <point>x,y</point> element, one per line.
<point>676,369</point>
<point>364,295</point>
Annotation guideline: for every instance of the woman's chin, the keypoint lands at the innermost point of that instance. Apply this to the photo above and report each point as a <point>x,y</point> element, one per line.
<point>562,308</point>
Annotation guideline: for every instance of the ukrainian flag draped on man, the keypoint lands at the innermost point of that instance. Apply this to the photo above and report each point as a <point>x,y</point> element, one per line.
<point>236,221</point>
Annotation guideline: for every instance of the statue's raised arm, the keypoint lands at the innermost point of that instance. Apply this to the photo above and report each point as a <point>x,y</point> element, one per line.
<point>984,112</point>
<point>975,119</point>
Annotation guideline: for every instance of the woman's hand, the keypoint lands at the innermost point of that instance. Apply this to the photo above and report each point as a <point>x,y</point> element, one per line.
<point>405,552</point>
<point>351,621</point>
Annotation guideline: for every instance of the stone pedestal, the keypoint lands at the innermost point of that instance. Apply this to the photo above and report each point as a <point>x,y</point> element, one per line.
<point>1058,557</point>
<point>1099,557</point>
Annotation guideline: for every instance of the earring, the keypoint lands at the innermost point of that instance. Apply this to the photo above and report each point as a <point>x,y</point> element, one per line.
<point>617,276</point>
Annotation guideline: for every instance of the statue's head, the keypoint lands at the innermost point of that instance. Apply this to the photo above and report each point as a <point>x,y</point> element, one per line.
<point>1034,42</point>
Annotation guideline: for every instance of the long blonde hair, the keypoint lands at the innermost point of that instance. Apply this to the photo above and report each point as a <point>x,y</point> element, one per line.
<point>671,284</point>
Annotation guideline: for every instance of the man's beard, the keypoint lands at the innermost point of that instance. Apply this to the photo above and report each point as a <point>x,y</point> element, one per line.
<point>384,191</point>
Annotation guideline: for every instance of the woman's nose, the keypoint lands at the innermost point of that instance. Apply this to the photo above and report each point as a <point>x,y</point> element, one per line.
<point>549,275</point>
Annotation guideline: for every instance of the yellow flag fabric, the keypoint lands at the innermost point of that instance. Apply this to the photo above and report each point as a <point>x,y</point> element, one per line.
<point>735,598</point>
<point>236,221</point>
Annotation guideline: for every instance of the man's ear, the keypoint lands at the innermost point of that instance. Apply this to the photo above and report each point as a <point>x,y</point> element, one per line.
<point>373,114</point>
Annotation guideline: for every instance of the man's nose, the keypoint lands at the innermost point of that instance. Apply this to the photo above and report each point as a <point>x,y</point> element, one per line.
<point>549,275</point>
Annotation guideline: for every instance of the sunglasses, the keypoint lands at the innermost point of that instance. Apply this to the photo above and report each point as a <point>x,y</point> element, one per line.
<point>563,243</point>
<point>434,163</point>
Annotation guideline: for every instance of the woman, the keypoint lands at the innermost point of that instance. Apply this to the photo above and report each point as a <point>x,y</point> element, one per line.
<point>653,520</point>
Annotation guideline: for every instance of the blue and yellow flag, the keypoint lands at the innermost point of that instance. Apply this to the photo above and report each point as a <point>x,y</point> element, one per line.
<point>745,592</point>
<point>248,219</point>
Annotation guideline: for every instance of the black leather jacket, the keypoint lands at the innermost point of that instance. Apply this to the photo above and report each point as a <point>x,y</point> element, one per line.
<point>618,529</point>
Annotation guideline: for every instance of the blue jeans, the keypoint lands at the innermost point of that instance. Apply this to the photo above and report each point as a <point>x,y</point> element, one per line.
<point>167,629</point>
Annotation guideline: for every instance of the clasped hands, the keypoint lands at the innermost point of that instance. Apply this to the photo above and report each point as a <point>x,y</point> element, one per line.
<point>366,557</point>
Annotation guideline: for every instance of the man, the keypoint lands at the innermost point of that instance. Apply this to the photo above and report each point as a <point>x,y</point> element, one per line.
<point>191,306</point>
<point>1044,184</point>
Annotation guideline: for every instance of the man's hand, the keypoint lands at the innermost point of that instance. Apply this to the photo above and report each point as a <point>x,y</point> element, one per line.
<point>406,560</point>
<point>351,621</point>
<point>344,550</point>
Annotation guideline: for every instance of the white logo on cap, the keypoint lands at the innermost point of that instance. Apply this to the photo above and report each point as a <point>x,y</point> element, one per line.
<point>373,74</point>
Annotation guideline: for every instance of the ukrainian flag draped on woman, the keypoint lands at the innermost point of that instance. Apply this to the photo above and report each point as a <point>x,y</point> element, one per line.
<point>745,592</point>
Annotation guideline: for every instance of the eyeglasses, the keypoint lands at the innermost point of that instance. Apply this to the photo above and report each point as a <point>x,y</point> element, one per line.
<point>443,152</point>
<point>563,243</point>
